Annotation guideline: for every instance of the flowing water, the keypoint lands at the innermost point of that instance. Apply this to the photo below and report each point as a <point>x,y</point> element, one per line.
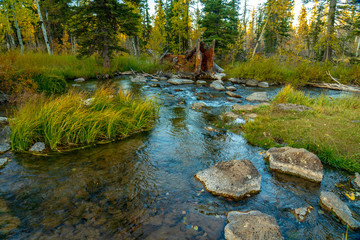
<point>143,187</point>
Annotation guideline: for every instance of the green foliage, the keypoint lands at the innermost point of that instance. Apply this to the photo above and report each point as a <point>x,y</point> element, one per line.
<point>50,84</point>
<point>325,130</point>
<point>68,120</point>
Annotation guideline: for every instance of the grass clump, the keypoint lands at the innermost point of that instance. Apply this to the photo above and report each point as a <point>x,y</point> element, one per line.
<point>77,119</point>
<point>331,129</point>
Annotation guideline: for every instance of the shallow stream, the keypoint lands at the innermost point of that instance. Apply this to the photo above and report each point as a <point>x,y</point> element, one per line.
<point>143,187</point>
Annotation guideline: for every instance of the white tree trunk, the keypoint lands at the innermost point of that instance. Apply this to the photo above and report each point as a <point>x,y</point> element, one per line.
<point>18,30</point>
<point>43,28</point>
<point>261,34</point>
<point>358,46</point>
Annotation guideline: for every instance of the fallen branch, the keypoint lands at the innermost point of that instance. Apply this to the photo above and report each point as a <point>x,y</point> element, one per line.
<point>328,73</point>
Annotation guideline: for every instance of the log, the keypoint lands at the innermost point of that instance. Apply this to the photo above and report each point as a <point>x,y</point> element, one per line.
<point>335,86</point>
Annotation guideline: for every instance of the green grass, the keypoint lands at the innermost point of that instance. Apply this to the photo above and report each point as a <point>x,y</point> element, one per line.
<point>65,121</point>
<point>331,130</point>
<point>293,70</point>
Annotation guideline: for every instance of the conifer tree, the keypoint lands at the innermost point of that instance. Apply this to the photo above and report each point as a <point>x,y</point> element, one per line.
<point>157,40</point>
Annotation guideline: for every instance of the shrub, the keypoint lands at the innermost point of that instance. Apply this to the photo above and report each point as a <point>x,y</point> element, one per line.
<point>50,84</point>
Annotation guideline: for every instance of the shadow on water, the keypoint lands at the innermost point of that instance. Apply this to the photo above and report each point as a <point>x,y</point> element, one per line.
<point>143,187</point>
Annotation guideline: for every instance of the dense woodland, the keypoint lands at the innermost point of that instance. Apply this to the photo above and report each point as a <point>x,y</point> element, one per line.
<point>324,30</point>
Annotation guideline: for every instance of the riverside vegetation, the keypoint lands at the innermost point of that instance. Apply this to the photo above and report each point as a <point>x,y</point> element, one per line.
<point>77,118</point>
<point>331,129</point>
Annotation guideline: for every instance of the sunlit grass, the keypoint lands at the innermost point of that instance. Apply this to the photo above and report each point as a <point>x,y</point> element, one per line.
<point>65,121</point>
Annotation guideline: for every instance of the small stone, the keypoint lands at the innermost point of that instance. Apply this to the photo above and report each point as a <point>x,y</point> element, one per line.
<point>232,94</point>
<point>4,120</point>
<point>251,225</point>
<point>230,179</point>
<point>79,80</point>
<point>231,99</point>
<point>154,84</point>
<point>258,96</point>
<point>252,82</point>
<point>263,84</point>
<point>331,202</point>
<point>300,213</point>
<point>210,129</point>
<point>201,82</point>
<point>293,107</point>
<point>88,102</point>
<point>178,81</point>
<point>231,88</point>
<point>4,147</point>
<point>37,147</point>
<point>295,161</point>
<point>3,162</point>
<point>218,85</point>
<point>198,105</point>
<point>154,80</point>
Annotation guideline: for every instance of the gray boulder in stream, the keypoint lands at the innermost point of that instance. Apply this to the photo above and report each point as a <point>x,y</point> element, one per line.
<point>251,225</point>
<point>37,147</point>
<point>179,81</point>
<point>332,203</point>
<point>218,85</point>
<point>233,179</point>
<point>295,161</point>
<point>258,96</point>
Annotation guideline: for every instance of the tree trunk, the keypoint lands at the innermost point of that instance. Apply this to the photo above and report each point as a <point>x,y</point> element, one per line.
<point>330,31</point>
<point>106,57</point>
<point>43,28</point>
<point>261,34</point>
<point>244,23</point>
<point>134,45</point>
<point>18,30</point>
<point>358,46</point>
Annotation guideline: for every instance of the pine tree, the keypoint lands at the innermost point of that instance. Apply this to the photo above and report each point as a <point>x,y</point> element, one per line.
<point>302,35</point>
<point>180,25</point>
<point>157,40</point>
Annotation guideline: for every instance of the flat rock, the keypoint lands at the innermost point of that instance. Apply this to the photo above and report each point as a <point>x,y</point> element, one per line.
<point>252,82</point>
<point>295,161</point>
<point>235,179</point>
<point>4,147</point>
<point>138,79</point>
<point>201,82</point>
<point>232,94</point>
<point>230,115</point>
<point>79,80</point>
<point>258,96</point>
<point>4,120</point>
<point>179,81</point>
<point>37,147</point>
<point>198,105</point>
<point>5,134</point>
<point>331,202</point>
<point>3,162</point>
<point>263,84</point>
<point>218,85</point>
<point>154,84</point>
<point>231,99</point>
<point>357,180</point>
<point>252,225</point>
<point>219,76</point>
<point>237,80</point>
<point>154,80</point>
<point>231,88</point>
<point>293,107</point>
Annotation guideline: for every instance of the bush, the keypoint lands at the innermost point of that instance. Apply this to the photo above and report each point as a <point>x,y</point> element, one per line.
<point>50,84</point>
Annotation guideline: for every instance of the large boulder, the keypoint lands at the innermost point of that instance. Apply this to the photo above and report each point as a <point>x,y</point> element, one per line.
<point>218,85</point>
<point>180,81</point>
<point>37,147</point>
<point>237,80</point>
<point>252,82</point>
<point>295,161</point>
<point>258,96</point>
<point>293,107</point>
<point>4,147</point>
<point>331,202</point>
<point>234,179</point>
<point>263,84</point>
<point>251,225</point>
<point>232,94</point>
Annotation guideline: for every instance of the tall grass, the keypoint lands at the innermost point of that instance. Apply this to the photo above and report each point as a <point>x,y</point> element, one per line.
<point>67,120</point>
<point>296,71</point>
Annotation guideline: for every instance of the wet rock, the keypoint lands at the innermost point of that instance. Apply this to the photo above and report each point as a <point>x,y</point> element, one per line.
<point>154,84</point>
<point>231,88</point>
<point>231,99</point>
<point>3,162</point>
<point>138,79</point>
<point>37,147</point>
<point>218,85</point>
<point>179,81</point>
<point>4,147</point>
<point>219,76</point>
<point>230,115</point>
<point>263,84</point>
<point>293,107</point>
<point>163,78</point>
<point>300,213</point>
<point>5,134</point>
<point>295,161</point>
<point>4,120</point>
<point>357,180</point>
<point>258,96</point>
<point>331,202</point>
<point>201,82</point>
<point>252,82</point>
<point>79,80</point>
<point>232,94</point>
<point>235,179</point>
<point>237,80</point>
<point>88,101</point>
<point>154,80</point>
<point>251,225</point>
<point>198,105</point>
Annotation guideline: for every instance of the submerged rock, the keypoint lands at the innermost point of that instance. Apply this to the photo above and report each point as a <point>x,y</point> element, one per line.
<point>198,105</point>
<point>331,202</point>
<point>258,96</point>
<point>295,161</point>
<point>252,82</point>
<point>79,80</point>
<point>37,147</point>
<point>251,225</point>
<point>231,99</point>
<point>232,94</point>
<point>179,81</point>
<point>293,107</point>
<point>231,88</point>
<point>4,147</point>
<point>263,84</point>
<point>218,85</point>
<point>300,213</point>
<point>235,179</point>
<point>3,162</point>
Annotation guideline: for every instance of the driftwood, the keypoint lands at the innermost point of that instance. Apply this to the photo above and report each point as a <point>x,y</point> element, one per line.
<point>198,62</point>
<point>335,86</point>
